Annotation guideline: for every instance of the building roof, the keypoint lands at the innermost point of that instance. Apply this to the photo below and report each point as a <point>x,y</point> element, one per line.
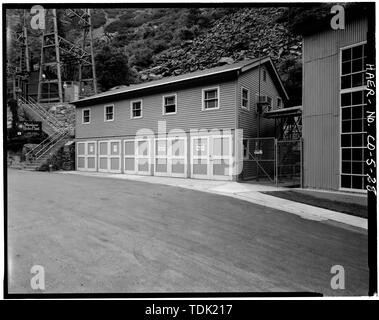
<point>284,112</point>
<point>167,81</point>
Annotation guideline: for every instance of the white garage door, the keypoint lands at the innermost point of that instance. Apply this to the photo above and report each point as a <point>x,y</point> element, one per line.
<point>110,156</point>
<point>86,156</point>
<point>137,156</point>
<point>170,157</point>
<point>211,157</point>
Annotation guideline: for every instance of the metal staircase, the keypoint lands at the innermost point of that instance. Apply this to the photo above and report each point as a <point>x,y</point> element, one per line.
<point>58,132</point>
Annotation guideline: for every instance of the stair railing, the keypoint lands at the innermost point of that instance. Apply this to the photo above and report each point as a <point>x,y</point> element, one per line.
<point>41,112</point>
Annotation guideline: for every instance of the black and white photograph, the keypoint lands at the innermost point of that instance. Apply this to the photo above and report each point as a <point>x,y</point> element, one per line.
<point>168,150</point>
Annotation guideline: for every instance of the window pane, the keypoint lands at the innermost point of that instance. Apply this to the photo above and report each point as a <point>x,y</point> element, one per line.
<point>357,125</point>
<point>346,82</point>
<point>346,99</point>
<point>358,79</point>
<point>346,67</point>
<point>357,65</point>
<point>211,94</point>
<point>211,104</point>
<point>357,154</point>
<point>357,140</point>
<point>357,182</point>
<point>170,109</point>
<point>346,113</point>
<point>169,100</point>
<point>346,54</point>
<point>346,181</point>
<point>346,167</point>
<point>346,126</point>
<point>346,140</point>
<point>357,52</point>
<point>346,154</point>
<point>358,97</point>
<point>357,112</point>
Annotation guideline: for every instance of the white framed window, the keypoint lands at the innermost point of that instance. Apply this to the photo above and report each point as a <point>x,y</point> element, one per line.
<point>136,109</point>
<point>169,104</point>
<point>245,98</point>
<point>264,75</point>
<point>211,98</point>
<point>86,116</point>
<point>109,112</point>
<point>279,103</point>
<point>353,122</point>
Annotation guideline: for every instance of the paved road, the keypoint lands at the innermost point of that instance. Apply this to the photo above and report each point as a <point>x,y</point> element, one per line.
<point>109,235</point>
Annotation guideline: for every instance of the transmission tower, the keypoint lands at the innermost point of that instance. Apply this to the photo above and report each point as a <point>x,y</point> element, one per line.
<point>18,58</point>
<point>59,56</point>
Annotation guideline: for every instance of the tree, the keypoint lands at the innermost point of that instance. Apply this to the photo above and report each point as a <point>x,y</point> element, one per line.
<point>13,106</point>
<point>112,68</point>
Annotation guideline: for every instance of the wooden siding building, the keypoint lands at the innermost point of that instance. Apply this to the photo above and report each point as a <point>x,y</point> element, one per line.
<point>184,126</point>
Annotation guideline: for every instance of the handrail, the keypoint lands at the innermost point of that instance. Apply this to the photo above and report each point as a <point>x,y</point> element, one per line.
<point>42,112</point>
<point>43,148</point>
<point>42,143</point>
<point>52,145</point>
<point>44,119</point>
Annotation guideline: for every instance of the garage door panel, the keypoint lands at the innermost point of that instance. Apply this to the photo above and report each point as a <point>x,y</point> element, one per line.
<point>91,147</point>
<point>178,167</point>
<point>81,148</point>
<point>200,147</point>
<point>143,165</point>
<point>103,148</point>
<point>129,164</point>
<point>221,167</point>
<point>91,163</point>
<point>81,162</point>
<point>129,148</point>
<point>170,156</point>
<point>115,164</point>
<point>115,148</point>
<point>161,165</point>
<point>200,167</point>
<point>86,157</point>
<point>103,163</point>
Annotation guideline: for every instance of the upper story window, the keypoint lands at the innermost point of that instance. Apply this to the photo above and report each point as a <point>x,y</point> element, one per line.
<point>353,67</point>
<point>279,103</point>
<point>86,116</point>
<point>109,113</point>
<point>245,103</point>
<point>136,109</point>
<point>211,98</point>
<point>264,76</point>
<point>169,104</point>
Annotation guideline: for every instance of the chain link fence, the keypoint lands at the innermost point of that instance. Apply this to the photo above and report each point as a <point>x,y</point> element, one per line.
<point>268,160</point>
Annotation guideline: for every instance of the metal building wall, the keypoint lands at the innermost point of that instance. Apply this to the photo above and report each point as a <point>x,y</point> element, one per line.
<point>321,102</point>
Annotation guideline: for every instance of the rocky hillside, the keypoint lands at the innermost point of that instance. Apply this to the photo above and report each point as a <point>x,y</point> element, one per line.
<point>244,34</point>
<point>160,42</point>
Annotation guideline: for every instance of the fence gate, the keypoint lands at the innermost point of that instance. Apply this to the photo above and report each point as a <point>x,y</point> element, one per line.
<point>259,159</point>
<point>267,160</point>
<point>289,162</point>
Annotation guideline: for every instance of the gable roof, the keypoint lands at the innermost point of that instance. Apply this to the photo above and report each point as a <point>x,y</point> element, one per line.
<point>233,69</point>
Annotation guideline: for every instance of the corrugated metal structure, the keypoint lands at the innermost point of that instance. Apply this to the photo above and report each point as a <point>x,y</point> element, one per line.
<point>191,140</point>
<point>322,109</point>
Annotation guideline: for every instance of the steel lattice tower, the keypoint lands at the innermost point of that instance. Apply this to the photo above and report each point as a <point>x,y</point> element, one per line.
<point>59,56</point>
<point>17,45</point>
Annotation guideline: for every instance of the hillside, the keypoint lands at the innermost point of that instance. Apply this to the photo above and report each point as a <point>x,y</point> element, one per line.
<point>159,42</point>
